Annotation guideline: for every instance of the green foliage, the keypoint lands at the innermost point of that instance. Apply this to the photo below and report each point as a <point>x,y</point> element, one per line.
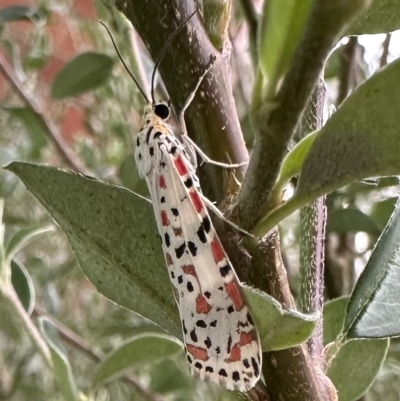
<point>85,72</point>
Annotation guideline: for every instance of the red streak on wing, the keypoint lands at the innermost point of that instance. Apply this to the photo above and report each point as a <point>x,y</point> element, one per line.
<point>169,260</point>
<point>197,352</point>
<point>180,166</point>
<point>246,338</point>
<point>162,183</point>
<point>189,269</point>
<point>197,203</point>
<point>234,294</point>
<point>235,354</point>
<point>164,218</point>
<point>201,305</point>
<point>217,250</point>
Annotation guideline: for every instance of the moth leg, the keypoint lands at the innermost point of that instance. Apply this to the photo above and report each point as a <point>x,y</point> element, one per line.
<point>218,212</point>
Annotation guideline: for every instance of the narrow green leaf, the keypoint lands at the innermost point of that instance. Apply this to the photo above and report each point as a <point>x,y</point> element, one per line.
<point>34,127</point>
<point>361,140</point>
<point>84,73</point>
<point>18,13</point>
<point>22,238</point>
<point>381,17</point>
<point>293,161</point>
<point>138,351</point>
<point>355,365</point>
<point>114,237</point>
<point>62,368</point>
<point>23,285</point>
<point>351,220</point>
<point>279,33</point>
<point>374,307</point>
<point>279,328</point>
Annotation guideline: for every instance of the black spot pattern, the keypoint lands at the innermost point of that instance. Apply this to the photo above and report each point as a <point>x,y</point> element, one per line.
<point>167,240</point>
<point>213,323</point>
<point>209,369</point>
<point>201,323</point>
<point>246,363</point>
<point>184,327</point>
<point>189,183</point>
<point>224,270</point>
<point>157,135</point>
<point>198,365</point>
<point>140,156</point>
<point>175,211</point>
<point>207,224</point>
<point>207,294</point>
<point>137,142</point>
<point>162,200</point>
<point>235,376</point>
<point>189,359</point>
<point>231,309</point>
<point>221,288</point>
<point>217,350</point>
<point>151,151</point>
<point>208,342</point>
<point>255,367</point>
<point>193,336</point>
<point>201,234</point>
<point>172,275</point>
<point>148,135</point>
<point>229,344</point>
<point>192,248</point>
<point>163,165</point>
<point>180,250</point>
<point>173,150</point>
<point>189,286</point>
<point>180,279</point>
<point>222,372</point>
<point>250,319</point>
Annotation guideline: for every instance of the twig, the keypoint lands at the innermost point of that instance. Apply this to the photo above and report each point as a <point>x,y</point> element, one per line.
<point>50,128</point>
<point>274,129</point>
<point>347,64</point>
<point>385,50</point>
<point>79,344</point>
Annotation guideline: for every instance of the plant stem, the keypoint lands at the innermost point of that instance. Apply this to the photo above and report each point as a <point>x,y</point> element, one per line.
<point>49,127</point>
<point>327,21</point>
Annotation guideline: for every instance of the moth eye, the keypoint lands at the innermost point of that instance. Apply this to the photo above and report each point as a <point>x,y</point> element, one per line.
<point>161,110</point>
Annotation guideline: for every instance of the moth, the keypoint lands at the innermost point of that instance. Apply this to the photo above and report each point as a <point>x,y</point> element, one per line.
<point>221,342</point>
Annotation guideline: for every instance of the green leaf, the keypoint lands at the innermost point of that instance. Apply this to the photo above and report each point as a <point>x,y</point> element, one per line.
<point>23,286</point>
<point>20,13</point>
<point>278,328</point>
<point>381,211</point>
<point>293,161</point>
<point>167,378</point>
<point>351,220</point>
<point>355,365</point>
<point>34,127</point>
<point>114,237</point>
<point>381,17</point>
<point>61,365</point>
<point>22,238</point>
<point>130,178</point>
<point>361,140</point>
<point>138,351</point>
<point>84,73</point>
<point>374,307</point>
<point>280,30</point>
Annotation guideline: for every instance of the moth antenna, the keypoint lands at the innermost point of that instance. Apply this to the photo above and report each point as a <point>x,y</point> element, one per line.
<point>123,62</point>
<point>164,49</point>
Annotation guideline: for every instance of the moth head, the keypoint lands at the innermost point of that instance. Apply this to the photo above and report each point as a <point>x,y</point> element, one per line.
<point>162,110</point>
